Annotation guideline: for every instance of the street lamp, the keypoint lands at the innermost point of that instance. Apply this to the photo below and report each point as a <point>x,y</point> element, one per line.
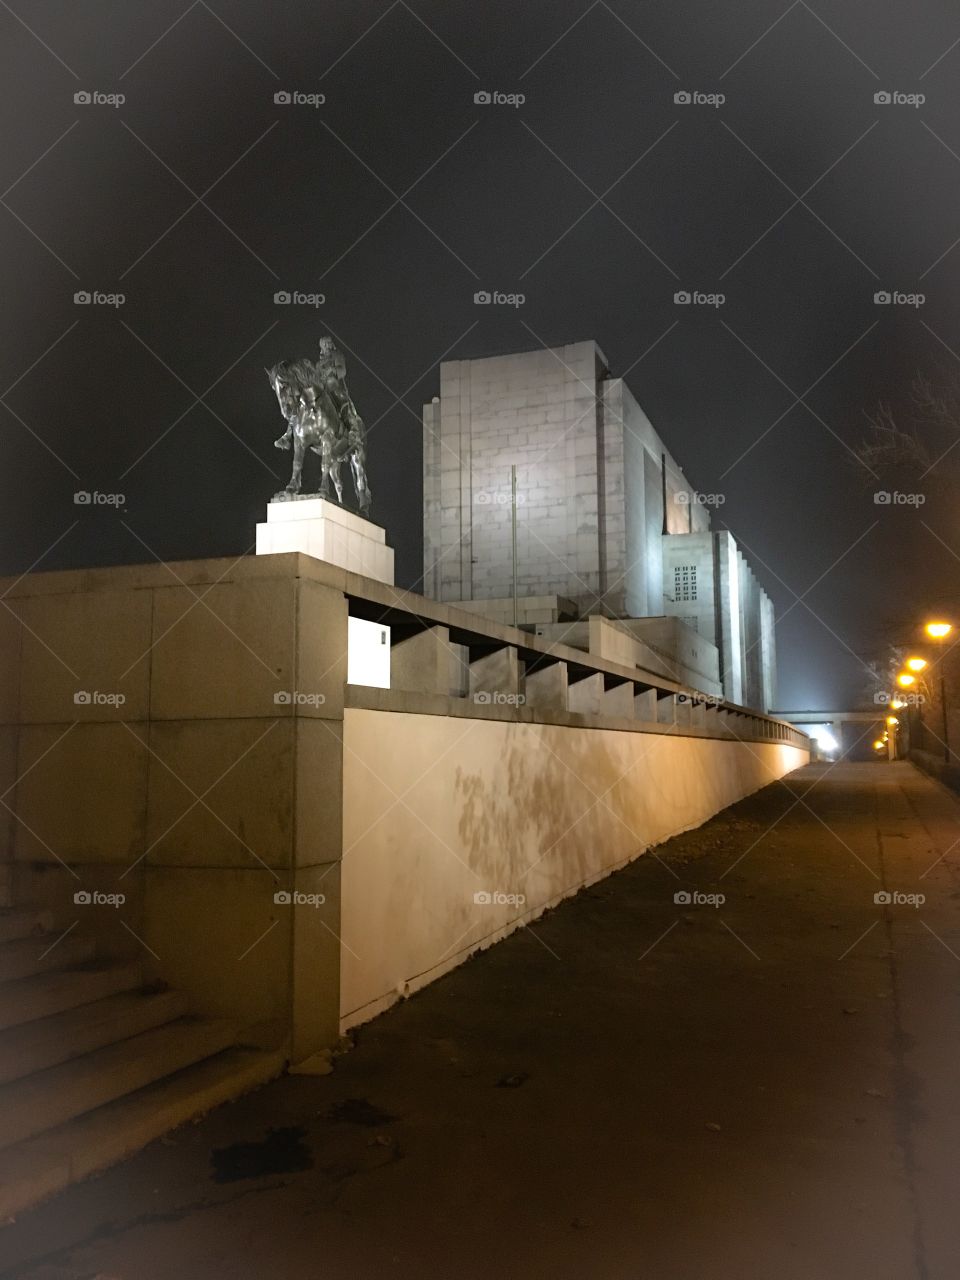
<point>905,680</point>
<point>916,664</point>
<point>939,631</point>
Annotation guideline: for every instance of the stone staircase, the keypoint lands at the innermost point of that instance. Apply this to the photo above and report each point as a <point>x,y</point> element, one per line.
<point>93,1064</point>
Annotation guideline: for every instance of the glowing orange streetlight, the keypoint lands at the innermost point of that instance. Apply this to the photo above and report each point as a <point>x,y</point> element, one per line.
<point>916,664</point>
<point>905,680</point>
<point>939,631</point>
<point>892,720</point>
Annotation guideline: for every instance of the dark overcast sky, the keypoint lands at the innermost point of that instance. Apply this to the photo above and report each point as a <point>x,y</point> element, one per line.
<point>198,198</point>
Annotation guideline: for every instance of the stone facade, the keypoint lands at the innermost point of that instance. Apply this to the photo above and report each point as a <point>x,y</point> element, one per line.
<point>590,484</point>
<point>605,516</point>
<point>716,593</point>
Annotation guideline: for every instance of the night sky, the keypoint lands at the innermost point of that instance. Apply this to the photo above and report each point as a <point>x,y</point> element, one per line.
<point>598,198</point>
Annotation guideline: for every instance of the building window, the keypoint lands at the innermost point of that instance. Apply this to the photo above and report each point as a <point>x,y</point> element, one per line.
<point>685,582</point>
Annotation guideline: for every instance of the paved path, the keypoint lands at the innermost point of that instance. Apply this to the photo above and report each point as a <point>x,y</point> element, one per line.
<point>762,1090</point>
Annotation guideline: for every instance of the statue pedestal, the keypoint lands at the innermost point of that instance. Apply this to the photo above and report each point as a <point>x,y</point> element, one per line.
<point>322,529</point>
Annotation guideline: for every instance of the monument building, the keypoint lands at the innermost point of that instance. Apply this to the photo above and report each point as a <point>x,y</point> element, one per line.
<point>606,522</point>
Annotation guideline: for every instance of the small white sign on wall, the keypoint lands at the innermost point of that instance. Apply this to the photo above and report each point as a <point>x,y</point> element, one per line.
<point>368,653</point>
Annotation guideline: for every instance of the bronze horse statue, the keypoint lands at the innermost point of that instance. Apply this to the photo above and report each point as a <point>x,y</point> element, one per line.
<point>321,417</point>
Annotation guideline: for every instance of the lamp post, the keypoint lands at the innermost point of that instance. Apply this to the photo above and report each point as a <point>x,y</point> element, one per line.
<point>893,724</point>
<point>916,665</point>
<point>939,631</point>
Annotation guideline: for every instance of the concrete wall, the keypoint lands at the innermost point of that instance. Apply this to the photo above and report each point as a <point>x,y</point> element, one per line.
<point>725,604</point>
<point>437,810</point>
<point>199,796</point>
<point>537,410</point>
<point>589,483</point>
<point>646,516</point>
<point>184,734</point>
<point>690,657</point>
<point>691,598</point>
<point>663,646</point>
<point>768,645</point>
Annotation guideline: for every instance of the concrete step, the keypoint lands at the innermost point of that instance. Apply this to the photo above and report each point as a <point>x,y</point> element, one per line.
<point>29,999</point>
<point>33,1170</point>
<point>27,956</point>
<point>52,1097</point>
<point>63,1036</point>
<point>23,924</point>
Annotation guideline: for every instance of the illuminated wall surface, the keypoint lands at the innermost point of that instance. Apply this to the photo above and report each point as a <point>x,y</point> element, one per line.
<point>498,821</point>
<point>368,653</point>
<point>383,809</point>
<point>597,489</point>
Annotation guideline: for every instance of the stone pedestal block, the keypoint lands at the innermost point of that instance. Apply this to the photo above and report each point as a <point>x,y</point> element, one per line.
<point>324,530</point>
